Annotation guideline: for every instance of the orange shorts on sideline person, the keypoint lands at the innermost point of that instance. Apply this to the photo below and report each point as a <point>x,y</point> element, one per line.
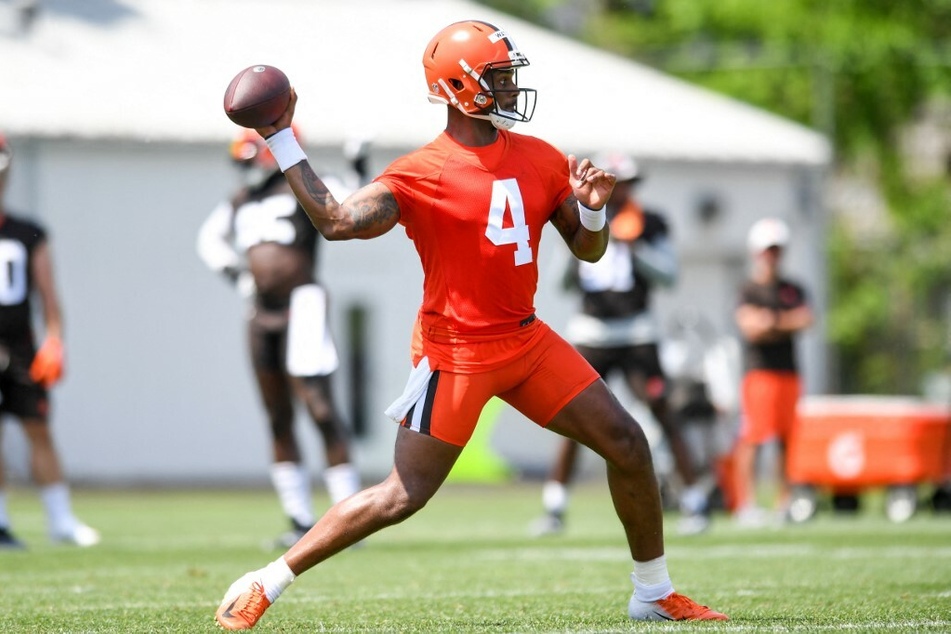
<point>769,405</point>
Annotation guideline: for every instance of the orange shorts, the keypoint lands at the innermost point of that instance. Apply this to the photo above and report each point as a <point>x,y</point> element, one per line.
<point>769,405</point>
<point>539,382</point>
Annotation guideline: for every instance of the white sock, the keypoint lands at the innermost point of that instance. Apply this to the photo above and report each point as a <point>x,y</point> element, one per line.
<point>651,580</point>
<point>342,481</point>
<point>555,497</point>
<point>275,577</point>
<point>59,513</point>
<point>292,483</point>
<point>4,517</point>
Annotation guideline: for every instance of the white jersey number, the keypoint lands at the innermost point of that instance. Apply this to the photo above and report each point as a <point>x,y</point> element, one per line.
<point>506,195</point>
<point>267,220</point>
<point>13,279</point>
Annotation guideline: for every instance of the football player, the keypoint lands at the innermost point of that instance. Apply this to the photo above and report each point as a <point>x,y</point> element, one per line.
<point>26,372</point>
<point>262,241</point>
<point>616,331</point>
<point>474,201</point>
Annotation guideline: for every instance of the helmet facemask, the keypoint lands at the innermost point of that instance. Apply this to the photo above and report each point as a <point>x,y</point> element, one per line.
<point>523,106</point>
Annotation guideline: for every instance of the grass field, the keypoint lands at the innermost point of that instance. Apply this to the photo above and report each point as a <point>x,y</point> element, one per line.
<point>465,564</point>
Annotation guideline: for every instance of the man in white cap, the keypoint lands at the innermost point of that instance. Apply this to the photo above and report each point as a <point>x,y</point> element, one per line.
<point>770,312</point>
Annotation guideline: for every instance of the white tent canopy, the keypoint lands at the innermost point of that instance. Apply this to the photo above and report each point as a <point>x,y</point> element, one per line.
<point>157,70</point>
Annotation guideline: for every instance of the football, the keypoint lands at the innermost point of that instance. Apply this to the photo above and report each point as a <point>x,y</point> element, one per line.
<point>257,96</point>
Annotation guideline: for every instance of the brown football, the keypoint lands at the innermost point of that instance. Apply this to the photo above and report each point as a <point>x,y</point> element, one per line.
<point>257,96</point>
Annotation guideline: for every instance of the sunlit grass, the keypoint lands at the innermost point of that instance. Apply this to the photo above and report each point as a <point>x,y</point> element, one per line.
<point>466,564</point>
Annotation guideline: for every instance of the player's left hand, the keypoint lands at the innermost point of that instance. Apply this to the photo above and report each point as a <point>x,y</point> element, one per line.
<point>47,366</point>
<point>592,185</point>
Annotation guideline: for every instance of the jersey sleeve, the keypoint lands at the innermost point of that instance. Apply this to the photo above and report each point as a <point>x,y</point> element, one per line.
<point>413,180</point>
<point>32,234</point>
<point>655,226</point>
<point>215,239</point>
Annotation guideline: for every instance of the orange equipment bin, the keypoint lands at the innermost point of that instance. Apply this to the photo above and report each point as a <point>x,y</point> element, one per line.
<point>857,442</point>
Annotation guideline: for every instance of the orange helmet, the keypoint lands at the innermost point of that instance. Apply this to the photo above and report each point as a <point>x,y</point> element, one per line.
<point>457,62</point>
<point>248,148</point>
<point>250,153</point>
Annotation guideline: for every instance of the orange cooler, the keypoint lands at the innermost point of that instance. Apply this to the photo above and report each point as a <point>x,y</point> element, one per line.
<point>853,442</point>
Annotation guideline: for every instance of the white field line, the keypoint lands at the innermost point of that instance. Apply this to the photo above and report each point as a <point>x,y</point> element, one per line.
<point>721,552</point>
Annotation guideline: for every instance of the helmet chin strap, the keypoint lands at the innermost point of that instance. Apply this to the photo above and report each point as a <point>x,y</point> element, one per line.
<point>502,122</point>
<point>502,119</point>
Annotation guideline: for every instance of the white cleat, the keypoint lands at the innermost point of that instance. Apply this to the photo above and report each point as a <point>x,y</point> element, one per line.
<point>693,524</point>
<point>80,535</point>
<point>548,524</point>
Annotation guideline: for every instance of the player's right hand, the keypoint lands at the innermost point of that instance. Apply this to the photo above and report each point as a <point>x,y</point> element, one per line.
<point>284,121</point>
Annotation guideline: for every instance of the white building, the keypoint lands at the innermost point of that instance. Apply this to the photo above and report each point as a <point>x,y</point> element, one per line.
<point>114,110</point>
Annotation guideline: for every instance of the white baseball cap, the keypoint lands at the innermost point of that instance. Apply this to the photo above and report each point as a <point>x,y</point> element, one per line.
<point>6,153</point>
<point>619,164</point>
<point>766,233</point>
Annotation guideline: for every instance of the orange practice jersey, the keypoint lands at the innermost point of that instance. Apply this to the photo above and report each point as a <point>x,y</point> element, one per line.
<point>476,216</point>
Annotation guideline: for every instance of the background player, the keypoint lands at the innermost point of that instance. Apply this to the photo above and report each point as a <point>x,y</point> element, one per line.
<point>474,201</point>
<point>616,331</point>
<point>262,240</point>
<point>770,312</point>
<point>27,373</point>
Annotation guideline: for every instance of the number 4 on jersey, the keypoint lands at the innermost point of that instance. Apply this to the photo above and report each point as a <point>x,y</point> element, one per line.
<point>506,195</point>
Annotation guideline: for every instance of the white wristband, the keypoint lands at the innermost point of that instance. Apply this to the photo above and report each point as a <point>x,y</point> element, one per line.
<point>285,148</point>
<point>592,220</point>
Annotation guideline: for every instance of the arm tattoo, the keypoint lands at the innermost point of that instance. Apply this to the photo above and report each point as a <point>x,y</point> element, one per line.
<point>315,187</point>
<point>376,213</point>
<point>366,213</point>
<point>566,223</point>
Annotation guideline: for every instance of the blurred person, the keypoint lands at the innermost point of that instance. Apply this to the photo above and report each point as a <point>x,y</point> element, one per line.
<point>474,201</point>
<point>261,240</point>
<point>771,311</point>
<point>704,371</point>
<point>616,332</point>
<point>27,373</point>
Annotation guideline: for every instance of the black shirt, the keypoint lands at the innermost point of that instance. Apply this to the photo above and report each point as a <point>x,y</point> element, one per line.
<point>608,304</point>
<point>779,295</point>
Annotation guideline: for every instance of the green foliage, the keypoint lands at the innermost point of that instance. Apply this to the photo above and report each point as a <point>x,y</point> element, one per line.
<point>859,71</point>
<point>870,63</point>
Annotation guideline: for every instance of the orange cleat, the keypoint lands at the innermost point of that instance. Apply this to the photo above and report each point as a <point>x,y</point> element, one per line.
<point>675,607</point>
<point>244,604</point>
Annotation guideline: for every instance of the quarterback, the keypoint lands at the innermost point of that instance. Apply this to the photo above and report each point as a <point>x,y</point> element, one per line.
<point>474,202</point>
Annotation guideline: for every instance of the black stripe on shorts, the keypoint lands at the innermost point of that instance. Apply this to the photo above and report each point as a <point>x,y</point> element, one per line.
<point>425,417</point>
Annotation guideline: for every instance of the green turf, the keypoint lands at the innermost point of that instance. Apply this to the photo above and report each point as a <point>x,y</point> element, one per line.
<point>465,564</point>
